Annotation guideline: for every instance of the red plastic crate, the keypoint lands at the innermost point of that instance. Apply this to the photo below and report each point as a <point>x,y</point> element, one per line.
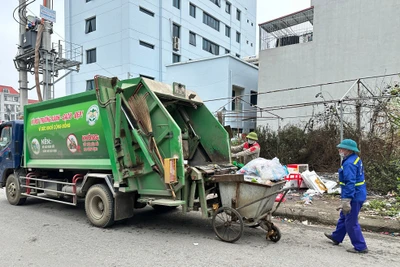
<point>295,179</point>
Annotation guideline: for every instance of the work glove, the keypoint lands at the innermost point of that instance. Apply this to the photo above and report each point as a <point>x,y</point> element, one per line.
<point>346,207</point>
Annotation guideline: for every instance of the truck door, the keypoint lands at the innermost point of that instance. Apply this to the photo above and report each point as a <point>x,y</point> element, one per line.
<point>6,159</point>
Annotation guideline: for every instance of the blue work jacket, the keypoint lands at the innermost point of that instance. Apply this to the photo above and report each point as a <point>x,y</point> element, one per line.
<point>351,178</point>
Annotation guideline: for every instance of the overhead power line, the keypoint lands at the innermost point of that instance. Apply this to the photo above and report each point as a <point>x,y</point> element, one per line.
<point>307,86</point>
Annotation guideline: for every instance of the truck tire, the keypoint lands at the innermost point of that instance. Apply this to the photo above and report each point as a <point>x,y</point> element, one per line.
<point>99,206</point>
<point>13,191</point>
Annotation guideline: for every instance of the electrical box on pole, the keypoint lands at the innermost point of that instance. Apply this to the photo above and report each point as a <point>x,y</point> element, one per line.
<point>38,55</point>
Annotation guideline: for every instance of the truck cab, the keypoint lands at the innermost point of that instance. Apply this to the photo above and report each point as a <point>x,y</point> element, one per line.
<point>11,140</point>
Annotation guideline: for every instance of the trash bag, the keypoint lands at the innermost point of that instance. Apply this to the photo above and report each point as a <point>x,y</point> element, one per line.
<point>267,170</point>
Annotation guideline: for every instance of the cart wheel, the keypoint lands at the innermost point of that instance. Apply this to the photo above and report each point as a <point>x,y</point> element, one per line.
<point>274,234</point>
<point>227,224</point>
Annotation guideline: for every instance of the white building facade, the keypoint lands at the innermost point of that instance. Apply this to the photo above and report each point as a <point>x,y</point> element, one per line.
<point>231,87</point>
<point>130,38</point>
<point>330,42</point>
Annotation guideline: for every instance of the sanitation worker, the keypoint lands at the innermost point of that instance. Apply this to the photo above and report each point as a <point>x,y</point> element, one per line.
<point>353,195</point>
<point>249,150</point>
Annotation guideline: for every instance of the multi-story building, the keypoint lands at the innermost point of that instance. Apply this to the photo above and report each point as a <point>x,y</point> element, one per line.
<point>317,55</point>
<point>140,38</point>
<point>9,103</point>
<point>230,88</point>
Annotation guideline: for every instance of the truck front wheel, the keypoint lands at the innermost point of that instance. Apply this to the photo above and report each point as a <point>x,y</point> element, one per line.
<point>99,206</point>
<point>13,191</point>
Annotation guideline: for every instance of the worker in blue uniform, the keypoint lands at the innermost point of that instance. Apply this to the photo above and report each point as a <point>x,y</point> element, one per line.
<point>353,195</point>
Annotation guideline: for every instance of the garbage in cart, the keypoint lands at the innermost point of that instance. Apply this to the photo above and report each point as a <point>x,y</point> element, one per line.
<point>263,171</point>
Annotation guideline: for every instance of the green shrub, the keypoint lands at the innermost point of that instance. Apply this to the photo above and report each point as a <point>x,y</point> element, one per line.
<point>317,147</point>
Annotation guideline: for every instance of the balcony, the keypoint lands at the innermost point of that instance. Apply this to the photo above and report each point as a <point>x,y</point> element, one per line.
<point>287,30</point>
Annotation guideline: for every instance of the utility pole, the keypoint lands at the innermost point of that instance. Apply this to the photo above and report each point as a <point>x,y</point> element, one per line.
<point>48,57</point>
<point>36,54</point>
<point>23,73</point>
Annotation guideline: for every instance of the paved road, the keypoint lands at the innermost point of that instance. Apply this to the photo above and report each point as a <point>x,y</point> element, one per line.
<point>50,234</point>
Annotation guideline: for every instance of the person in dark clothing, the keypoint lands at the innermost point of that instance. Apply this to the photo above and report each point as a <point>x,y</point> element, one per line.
<point>353,195</point>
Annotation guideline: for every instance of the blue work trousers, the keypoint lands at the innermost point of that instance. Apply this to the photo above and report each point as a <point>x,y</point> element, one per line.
<point>349,224</point>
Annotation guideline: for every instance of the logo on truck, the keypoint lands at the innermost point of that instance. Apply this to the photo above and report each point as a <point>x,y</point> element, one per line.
<point>72,143</point>
<point>92,115</point>
<point>35,145</point>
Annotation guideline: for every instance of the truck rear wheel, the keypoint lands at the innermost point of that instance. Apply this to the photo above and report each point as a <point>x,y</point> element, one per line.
<point>13,191</point>
<point>99,206</point>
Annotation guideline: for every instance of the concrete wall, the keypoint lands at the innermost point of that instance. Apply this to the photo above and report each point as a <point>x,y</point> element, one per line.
<point>352,39</point>
<point>120,25</point>
<point>213,79</point>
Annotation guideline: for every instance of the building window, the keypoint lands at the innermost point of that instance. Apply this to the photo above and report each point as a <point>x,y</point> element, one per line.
<point>238,37</point>
<point>192,10</point>
<point>88,1</point>
<point>237,55</point>
<point>228,7</point>
<point>217,2</point>
<point>16,99</point>
<point>5,90</point>
<point>227,31</point>
<point>238,12</point>
<point>192,38</point>
<point>210,21</point>
<point>146,11</point>
<point>90,25</point>
<point>91,56</point>
<point>251,44</point>
<point>176,3</point>
<point>211,47</point>
<point>227,51</point>
<point>142,43</point>
<point>147,77</point>
<point>89,85</point>
<point>176,30</point>
<point>252,24</point>
<point>176,58</point>
<point>253,98</point>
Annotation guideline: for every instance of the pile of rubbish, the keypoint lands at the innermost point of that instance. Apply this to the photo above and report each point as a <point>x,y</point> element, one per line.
<point>263,171</point>
<point>297,176</point>
<point>301,178</point>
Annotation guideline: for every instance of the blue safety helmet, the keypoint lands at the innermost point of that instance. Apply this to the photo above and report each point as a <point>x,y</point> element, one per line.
<point>348,144</point>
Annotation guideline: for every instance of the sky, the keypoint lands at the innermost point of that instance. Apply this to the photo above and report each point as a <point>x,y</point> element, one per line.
<point>266,10</point>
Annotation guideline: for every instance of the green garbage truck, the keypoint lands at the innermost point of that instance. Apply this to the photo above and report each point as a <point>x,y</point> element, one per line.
<point>123,146</point>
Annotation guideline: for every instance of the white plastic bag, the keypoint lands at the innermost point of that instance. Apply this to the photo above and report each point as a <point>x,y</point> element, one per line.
<point>267,170</point>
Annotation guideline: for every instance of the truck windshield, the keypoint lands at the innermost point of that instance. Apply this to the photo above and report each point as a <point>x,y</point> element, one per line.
<point>5,137</point>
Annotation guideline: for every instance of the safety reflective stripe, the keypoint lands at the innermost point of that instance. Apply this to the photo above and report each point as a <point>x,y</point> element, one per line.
<point>357,184</point>
<point>360,183</point>
<point>356,161</point>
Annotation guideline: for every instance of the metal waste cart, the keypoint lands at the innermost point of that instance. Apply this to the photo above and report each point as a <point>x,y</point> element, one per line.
<point>245,203</point>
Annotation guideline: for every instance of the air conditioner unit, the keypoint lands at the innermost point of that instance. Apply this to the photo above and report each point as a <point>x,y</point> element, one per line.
<point>176,43</point>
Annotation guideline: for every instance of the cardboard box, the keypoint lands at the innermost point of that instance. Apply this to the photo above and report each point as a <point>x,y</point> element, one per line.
<point>313,181</point>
